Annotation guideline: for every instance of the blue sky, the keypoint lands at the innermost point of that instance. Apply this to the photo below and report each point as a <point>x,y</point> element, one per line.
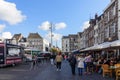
<point>67,16</point>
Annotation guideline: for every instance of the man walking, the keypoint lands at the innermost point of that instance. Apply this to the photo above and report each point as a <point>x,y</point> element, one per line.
<point>72,61</point>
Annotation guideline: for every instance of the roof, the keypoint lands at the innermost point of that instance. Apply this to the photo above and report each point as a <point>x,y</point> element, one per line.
<point>23,39</point>
<point>17,36</point>
<point>34,35</point>
<point>65,37</point>
<point>73,35</point>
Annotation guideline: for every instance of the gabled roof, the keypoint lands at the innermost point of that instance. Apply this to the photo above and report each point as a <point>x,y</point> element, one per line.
<point>65,37</point>
<point>17,36</point>
<point>23,39</point>
<point>34,35</point>
<point>73,35</point>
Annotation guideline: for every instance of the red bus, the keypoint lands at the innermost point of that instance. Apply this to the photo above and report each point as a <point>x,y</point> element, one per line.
<point>10,54</point>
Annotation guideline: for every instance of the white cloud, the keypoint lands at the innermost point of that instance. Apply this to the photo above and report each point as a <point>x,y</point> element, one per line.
<point>60,26</point>
<point>85,25</point>
<point>45,26</point>
<point>6,35</point>
<point>9,13</point>
<point>56,39</point>
<point>2,26</point>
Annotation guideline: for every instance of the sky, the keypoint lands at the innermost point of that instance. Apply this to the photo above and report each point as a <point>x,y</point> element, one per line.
<point>31,16</point>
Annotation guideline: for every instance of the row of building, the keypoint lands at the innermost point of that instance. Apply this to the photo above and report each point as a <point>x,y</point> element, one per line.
<point>34,41</point>
<point>103,32</point>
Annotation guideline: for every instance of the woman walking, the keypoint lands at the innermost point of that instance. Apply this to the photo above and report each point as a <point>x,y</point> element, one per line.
<point>88,61</point>
<point>58,61</point>
<point>80,65</point>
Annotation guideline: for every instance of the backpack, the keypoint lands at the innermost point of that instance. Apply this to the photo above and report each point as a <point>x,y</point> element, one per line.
<point>72,61</point>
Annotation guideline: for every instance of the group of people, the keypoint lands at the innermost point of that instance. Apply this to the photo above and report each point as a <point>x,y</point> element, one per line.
<point>82,62</point>
<point>101,60</point>
<point>88,64</point>
<point>54,59</point>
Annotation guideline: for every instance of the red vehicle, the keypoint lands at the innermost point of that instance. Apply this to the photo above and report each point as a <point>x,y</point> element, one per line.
<point>10,54</point>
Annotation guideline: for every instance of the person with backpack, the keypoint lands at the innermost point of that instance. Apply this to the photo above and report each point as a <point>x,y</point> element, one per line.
<point>72,62</point>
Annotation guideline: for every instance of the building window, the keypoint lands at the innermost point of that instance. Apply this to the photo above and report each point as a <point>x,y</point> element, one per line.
<point>108,16</point>
<point>112,29</point>
<point>66,41</point>
<point>114,10</point>
<point>107,32</point>
<point>66,45</point>
<point>66,50</point>
<point>74,39</point>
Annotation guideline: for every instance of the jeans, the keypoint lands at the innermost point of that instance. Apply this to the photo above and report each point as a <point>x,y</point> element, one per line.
<point>73,69</point>
<point>58,65</point>
<point>80,71</point>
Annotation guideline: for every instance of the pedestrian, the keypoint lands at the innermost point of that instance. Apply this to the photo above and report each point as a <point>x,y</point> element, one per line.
<point>54,56</point>
<point>72,62</point>
<point>51,59</point>
<point>80,65</point>
<point>65,57</point>
<point>58,60</point>
<point>33,62</point>
<point>88,61</point>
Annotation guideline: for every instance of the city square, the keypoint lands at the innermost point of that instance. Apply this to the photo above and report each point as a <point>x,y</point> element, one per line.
<point>45,71</point>
<point>59,40</point>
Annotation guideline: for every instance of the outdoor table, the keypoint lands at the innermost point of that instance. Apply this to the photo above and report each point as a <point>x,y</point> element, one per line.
<point>113,68</point>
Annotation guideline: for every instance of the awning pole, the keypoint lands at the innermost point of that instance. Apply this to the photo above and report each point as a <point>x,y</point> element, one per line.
<point>107,55</point>
<point>118,52</point>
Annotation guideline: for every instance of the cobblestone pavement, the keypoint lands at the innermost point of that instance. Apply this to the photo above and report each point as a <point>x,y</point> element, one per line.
<point>45,71</point>
<point>50,73</point>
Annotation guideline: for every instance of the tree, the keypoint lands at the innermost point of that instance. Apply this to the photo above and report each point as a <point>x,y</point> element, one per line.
<point>55,50</point>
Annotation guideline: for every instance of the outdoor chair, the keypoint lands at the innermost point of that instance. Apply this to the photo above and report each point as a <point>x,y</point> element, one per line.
<point>106,70</point>
<point>117,67</point>
<point>117,74</point>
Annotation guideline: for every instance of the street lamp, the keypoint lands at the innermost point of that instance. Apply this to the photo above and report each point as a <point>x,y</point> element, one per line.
<point>51,35</point>
<point>109,39</point>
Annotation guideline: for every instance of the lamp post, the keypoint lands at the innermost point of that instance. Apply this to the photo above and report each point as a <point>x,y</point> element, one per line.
<point>51,35</point>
